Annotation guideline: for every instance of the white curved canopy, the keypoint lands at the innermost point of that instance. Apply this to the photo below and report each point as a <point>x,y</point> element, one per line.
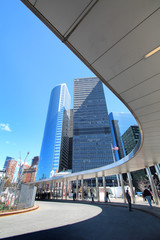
<point>112,38</point>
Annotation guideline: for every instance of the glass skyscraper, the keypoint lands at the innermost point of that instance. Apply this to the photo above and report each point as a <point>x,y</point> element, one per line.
<point>117,141</point>
<point>91,129</point>
<point>130,138</point>
<point>125,120</point>
<point>120,122</point>
<point>51,145</point>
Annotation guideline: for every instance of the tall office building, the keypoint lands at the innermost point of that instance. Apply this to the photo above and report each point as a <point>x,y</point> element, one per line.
<point>125,120</point>
<point>130,138</point>
<point>51,145</point>
<point>5,163</point>
<point>35,161</point>
<point>10,169</point>
<point>91,129</point>
<point>64,151</point>
<point>70,140</point>
<point>29,173</point>
<point>117,141</point>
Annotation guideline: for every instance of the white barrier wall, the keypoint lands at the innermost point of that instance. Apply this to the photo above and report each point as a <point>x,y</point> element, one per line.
<point>27,195</point>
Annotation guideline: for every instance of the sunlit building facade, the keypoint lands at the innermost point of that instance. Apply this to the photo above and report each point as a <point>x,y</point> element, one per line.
<point>117,140</point>
<point>10,169</point>
<point>51,145</point>
<point>5,163</point>
<point>91,129</point>
<point>120,122</point>
<point>29,172</point>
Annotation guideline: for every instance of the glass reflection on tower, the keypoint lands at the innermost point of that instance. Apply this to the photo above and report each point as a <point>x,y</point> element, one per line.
<point>50,150</point>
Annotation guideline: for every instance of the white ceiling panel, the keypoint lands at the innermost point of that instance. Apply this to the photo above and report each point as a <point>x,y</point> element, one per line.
<point>151,131</point>
<point>152,124</point>
<point>61,14</point>
<point>145,88</point>
<point>136,74</point>
<point>149,134</point>
<point>130,49</point>
<point>149,109</point>
<point>147,100</point>
<point>150,117</point>
<point>116,18</point>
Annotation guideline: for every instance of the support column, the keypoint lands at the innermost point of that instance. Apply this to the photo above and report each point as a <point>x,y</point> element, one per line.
<point>50,189</point>
<point>118,180</point>
<point>54,190</point>
<point>104,186</point>
<point>82,196</point>
<point>154,190</point>
<point>77,189</point>
<point>69,187</point>
<point>66,189</point>
<point>122,186</point>
<point>131,186</point>
<point>157,170</point>
<point>62,188</point>
<point>97,188</point>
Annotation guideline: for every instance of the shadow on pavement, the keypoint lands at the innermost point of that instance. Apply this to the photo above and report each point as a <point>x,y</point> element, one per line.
<point>111,224</point>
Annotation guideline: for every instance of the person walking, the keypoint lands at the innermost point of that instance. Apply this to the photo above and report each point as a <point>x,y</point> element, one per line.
<point>128,197</point>
<point>107,197</point>
<point>147,194</point>
<point>92,196</point>
<point>74,196</point>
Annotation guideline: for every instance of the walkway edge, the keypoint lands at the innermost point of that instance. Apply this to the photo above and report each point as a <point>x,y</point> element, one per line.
<point>149,211</point>
<point>35,207</point>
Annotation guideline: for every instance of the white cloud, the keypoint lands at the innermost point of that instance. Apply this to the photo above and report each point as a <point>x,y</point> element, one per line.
<point>5,127</point>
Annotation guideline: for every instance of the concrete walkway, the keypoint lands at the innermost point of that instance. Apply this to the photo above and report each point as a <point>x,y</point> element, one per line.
<point>73,220</point>
<point>140,205</point>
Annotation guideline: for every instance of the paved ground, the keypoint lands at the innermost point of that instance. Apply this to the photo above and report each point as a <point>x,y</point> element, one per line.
<point>68,220</point>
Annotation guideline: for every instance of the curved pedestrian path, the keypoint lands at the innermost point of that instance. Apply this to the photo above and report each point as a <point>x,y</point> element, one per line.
<point>71,220</point>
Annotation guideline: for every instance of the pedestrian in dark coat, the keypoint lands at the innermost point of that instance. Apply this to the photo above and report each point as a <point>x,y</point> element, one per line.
<point>107,197</point>
<point>92,195</point>
<point>147,194</point>
<point>129,200</point>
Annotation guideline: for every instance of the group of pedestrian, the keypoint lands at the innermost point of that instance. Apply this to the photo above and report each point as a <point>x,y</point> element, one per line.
<point>147,195</point>
<point>44,195</point>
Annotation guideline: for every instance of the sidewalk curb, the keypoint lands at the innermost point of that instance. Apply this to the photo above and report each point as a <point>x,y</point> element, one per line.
<point>35,207</point>
<point>125,205</point>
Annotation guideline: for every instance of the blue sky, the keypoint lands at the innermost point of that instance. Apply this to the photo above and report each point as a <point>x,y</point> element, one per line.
<point>32,62</point>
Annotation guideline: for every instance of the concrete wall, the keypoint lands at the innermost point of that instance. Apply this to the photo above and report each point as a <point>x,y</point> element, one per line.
<point>27,195</point>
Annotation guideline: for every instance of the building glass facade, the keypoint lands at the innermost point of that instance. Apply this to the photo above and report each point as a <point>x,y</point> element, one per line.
<point>91,129</point>
<point>130,138</point>
<point>51,145</point>
<point>117,141</point>
<point>66,141</point>
<point>70,140</point>
<point>64,150</point>
<point>125,120</point>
